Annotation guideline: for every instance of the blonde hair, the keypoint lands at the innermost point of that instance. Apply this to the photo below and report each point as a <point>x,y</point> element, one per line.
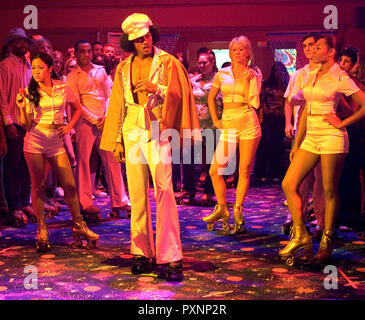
<point>246,43</point>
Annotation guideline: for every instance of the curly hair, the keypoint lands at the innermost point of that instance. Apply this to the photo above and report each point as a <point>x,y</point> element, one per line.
<point>128,45</point>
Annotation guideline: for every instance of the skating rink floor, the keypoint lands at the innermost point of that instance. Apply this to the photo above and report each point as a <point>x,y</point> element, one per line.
<point>217,265</point>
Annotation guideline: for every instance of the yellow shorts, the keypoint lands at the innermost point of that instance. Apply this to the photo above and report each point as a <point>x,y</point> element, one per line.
<point>323,138</point>
<point>44,141</point>
<point>240,124</point>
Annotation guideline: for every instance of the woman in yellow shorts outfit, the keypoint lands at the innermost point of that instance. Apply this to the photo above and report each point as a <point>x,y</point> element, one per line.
<point>240,87</point>
<point>325,140</point>
<point>42,107</point>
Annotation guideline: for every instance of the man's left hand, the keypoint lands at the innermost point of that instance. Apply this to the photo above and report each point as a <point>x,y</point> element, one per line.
<point>100,123</point>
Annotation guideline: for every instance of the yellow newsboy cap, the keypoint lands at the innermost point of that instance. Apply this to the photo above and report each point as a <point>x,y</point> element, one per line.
<point>136,25</point>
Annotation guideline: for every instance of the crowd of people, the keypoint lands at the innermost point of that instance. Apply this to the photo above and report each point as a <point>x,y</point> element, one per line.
<point>70,120</point>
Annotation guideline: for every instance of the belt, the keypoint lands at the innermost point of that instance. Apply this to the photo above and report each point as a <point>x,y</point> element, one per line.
<point>244,106</point>
<point>48,125</point>
<point>144,119</point>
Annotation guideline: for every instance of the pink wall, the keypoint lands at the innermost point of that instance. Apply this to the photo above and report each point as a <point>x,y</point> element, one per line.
<point>212,23</point>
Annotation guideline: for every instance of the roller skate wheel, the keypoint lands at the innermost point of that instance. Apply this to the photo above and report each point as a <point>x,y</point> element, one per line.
<point>225,227</point>
<point>289,261</point>
<point>240,229</point>
<point>77,244</point>
<point>210,226</point>
<point>43,247</point>
<point>90,245</point>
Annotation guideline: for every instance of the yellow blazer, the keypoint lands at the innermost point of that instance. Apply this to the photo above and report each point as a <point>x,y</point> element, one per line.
<point>173,104</point>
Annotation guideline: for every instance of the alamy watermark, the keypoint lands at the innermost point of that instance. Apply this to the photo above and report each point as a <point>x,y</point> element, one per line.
<point>331,281</point>
<point>330,22</point>
<point>31,280</point>
<point>169,147</point>
<point>31,20</point>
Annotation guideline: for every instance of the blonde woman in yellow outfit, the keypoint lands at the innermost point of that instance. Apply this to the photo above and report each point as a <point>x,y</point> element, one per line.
<point>240,87</point>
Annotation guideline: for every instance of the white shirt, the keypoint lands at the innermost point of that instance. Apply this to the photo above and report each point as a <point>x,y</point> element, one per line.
<point>92,89</point>
<point>296,84</point>
<point>323,96</point>
<point>51,109</point>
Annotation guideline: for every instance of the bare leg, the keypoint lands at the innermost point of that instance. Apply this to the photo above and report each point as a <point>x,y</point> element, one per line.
<point>302,163</point>
<point>222,155</point>
<point>331,172</point>
<point>247,155</point>
<point>61,166</point>
<point>36,165</point>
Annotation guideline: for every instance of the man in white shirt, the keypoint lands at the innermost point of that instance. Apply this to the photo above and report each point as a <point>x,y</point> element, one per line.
<point>89,82</point>
<point>294,105</point>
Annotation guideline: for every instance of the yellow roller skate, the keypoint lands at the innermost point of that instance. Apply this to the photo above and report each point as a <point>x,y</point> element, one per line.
<point>324,253</point>
<point>238,219</point>
<point>42,244</point>
<point>299,247</point>
<point>220,213</point>
<point>80,232</point>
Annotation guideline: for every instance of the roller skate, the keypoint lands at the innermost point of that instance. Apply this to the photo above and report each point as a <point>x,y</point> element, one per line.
<point>238,219</point>
<point>91,214</point>
<point>80,232</point>
<point>140,265</point>
<point>49,210</point>
<point>324,254</point>
<point>115,213</point>
<point>220,213</point>
<point>174,271</point>
<point>185,198</point>
<point>16,219</point>
<point>299,247</point>
<point>32,216</point>
<point>42,244</point>
<point>54,203</point>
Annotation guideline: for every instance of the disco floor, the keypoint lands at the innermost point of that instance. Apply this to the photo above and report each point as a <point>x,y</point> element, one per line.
<point>217,265</point>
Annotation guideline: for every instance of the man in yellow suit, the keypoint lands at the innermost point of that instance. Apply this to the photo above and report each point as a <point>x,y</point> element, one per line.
<point>151,93</point>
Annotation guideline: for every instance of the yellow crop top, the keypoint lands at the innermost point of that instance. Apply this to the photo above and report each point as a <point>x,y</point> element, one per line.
<point>233,91</point>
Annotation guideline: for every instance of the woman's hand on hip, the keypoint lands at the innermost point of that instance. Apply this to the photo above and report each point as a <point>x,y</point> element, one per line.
<point>64,130</point>
<point>334,120</point>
